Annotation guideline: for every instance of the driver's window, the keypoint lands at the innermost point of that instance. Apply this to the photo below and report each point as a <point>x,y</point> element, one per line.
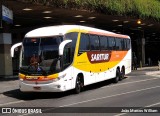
<point>67,56</point>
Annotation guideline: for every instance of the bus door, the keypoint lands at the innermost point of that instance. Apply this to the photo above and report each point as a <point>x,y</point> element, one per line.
<point>67,68</point>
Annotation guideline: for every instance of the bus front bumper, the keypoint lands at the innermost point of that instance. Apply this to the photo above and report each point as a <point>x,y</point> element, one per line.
<point>51,87</point>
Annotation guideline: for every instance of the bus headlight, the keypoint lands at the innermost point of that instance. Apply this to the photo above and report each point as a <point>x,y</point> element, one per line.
<point>59,78</point>
<point>21,79</point>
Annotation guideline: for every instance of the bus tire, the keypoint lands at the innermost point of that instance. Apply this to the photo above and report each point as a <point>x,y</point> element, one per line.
<point>122,73</point>
<point>116,79</point>
<point>78,86</point>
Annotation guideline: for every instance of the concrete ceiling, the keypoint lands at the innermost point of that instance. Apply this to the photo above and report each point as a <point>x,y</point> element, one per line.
<point>35,18</point>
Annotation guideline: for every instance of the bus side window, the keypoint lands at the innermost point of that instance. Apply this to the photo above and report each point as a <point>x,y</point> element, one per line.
<point>111,43</point>
<point>104,42</point>
<point>94,42</point>
<point>84,43</point>
<point>118,43</point>
<point>128,44</point>
<point>72,36</point>
<point>125,44</point>
<point>67,56</point>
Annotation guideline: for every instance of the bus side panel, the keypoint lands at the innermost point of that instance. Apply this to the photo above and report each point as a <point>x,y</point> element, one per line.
<point>128,62</point>
<point>94,72</point>
<point>68,77</point>
<point>85,68</point>
<point>102,71</point>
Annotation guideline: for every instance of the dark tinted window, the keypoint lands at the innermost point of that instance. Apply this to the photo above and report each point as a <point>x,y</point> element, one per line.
<point>128,44</point>
<point>52,41</point>
<point>104,43</point>
<point>94,42</point>
<point>111,43</point>
<point>67,56</point>
<point>73,36</point>
<point>84,42</point>
<point>125,44</point>
<point>119,43</point>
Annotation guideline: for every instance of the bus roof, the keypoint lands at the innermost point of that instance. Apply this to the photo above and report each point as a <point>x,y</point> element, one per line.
<point>63,29</point>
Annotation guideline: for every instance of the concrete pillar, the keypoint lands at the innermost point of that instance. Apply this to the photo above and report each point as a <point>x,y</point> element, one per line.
<point>5,58</point>
<point>143,51</point>
<point>5,45</point>
<point>141,48</point>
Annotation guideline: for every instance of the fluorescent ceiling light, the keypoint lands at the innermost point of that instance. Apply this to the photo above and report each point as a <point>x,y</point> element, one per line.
<point>17,25</point>
<point>47,17</point>
<point>82,21</point>
<point>27,9</point>
<point>91,17</point>
<point>78,16</point>
<point>120,25</point>
<point>47,12</point>
<point>115,20</point>
<point>150,25</point>
<point>125,21</point>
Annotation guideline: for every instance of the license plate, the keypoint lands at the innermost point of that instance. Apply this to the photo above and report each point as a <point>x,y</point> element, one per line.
<point>37,88</point>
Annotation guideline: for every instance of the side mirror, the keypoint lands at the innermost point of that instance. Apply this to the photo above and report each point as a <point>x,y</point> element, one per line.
<point>62,45</point>
<point>13,48</point>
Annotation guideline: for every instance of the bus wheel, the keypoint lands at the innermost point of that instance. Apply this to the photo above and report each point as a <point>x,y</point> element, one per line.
<point>78,86</point>
<point>122,73</point>
<point>116,79</point>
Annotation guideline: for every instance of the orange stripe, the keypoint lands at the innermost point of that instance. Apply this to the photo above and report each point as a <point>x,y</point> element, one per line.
<point>117,55</point>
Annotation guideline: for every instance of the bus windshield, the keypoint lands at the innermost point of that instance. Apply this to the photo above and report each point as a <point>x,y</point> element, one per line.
<point>40,54</point>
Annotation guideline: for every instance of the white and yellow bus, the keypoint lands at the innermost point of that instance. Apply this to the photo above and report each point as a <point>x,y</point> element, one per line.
<point>71,57</point>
